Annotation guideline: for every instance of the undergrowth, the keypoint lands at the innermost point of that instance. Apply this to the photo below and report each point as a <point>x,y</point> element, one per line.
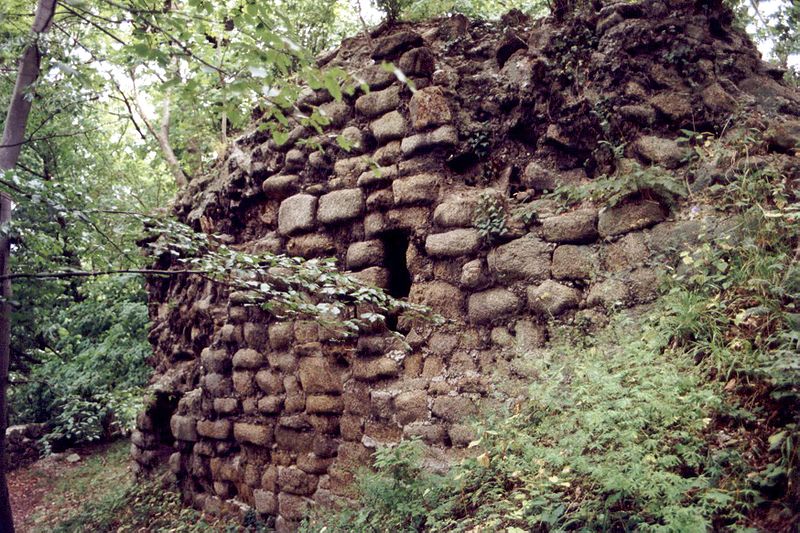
<point>684,419</point>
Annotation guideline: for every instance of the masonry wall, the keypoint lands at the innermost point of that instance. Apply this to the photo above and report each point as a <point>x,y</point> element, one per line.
<point>251,411</point>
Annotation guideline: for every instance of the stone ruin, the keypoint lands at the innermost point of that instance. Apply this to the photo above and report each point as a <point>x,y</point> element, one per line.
<point>276,416</point>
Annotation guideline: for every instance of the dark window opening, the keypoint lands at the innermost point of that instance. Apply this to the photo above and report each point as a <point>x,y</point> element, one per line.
<point>395,245</point>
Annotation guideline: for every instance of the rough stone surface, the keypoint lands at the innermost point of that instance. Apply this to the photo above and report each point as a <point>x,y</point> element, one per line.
<point>390,126</point>
<point>296,214</point>
<point>453,243</point>
<point>576,226</point>
<point>551,298</point>
<point>493,304</point>
<point>378,102</point>
<point>629,217</point>
<point>574,262</point>
<point>660,151</point>
<point>340,206</point>
<point>440,137</point>
<point>419,189</point>
<point>526,258</point>
<point>428,107</point>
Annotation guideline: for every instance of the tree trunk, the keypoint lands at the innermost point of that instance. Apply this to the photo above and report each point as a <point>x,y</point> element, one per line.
<point>13,138</point>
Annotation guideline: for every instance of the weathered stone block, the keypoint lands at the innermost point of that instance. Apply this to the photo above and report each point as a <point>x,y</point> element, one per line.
<point>411,406</point>
<point>226,406</point>
<point>372,369</point>
<point>526,258</point>
<point>473,274</point>
<point>389,127</point>
<point>493,304</point>
<point>318,377</point>
<point>453,243</point>
<point>281,335</point>
<point>292,507</point>
<point>457,210</point>
<point>572,261</point>
<point>296,214</point>
<point>265,502</point>
<point>216,361</point>
<point>340,206</point>
<point>373,276</point>
<point>270,405</point>
<point>214,429</point>
<point>259,434</point>
<point>417,62</point>
<point>255,335</point>
<point>428,107</point>
<point>629,217</point>
<point>551,298</point>
<point>609,294</point>
<point>576,226</point>
<point>310,463</point>
<point>324,404</point>
<point>351,167</point>
<point>659,151</point>
<point>269,381</point>
<point>395,43</point>
<point>216,384</point>
<point>243,382</point>
<point>364,254</point>
<point>419,189</point>
<point>440,296</point>
<point>279,187</point>
<point>379,102</point>
<point>454,408</point>
<point>441,137</point>
<point>336,112</point>
<point>248,358</point>
<point>183,427</point>
<point>295,481</point>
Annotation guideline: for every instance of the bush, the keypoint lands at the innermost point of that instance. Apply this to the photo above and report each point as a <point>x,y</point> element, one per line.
<point>90,384</point>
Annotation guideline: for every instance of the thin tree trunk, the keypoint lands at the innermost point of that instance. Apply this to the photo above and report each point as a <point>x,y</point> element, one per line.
<point>161,135</point>
<point>13,138</point>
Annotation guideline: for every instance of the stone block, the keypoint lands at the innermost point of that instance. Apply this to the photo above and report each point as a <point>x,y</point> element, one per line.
<point>183,428</point>
<point>526,258</point>
<point>444,136</point>
<point>630,216</point>
<point>627,253</point>
<point>428,107</point>
<point>373,276</point>
<point>216,384</point>
<point>659,151</point>
<point>572,261</point>
<point>243,382</point>
<point>226,406</point>
<point>389,127</point>
<point>395,43</point>
<point>292,507</point>
<point>473,274</point>
<point>457,211</point>
<point>440,296</point>
<point>453,243</point>
<point>575,227</point>
<point>269,381</point>
<point>214,429</point>
<point>411,406</point>
<point>454,408</point>
<point>388,154</point>
<point>419,189</point>
<point>350,168</point>
<point>340,206</point>
<point>297,214</point>
<point>324,404</point>
<point>255,335</point>
<point>372,369</point>
<point>248,358</point>
<point>265,502</point>
<point>551,298</point>
<point>310,463</point>
<point>417,62</point>
<point>336,112</point>
<point>318,377</point>
<point>280,335</point>
<point>364,254</point>
<point>270,405</point>
<point>258,434</point>
<point>216,361</point>
<point>295,481</point>
<point>541,178</point>
<point>379,102</point>
<point>609,294</point>
<point>486,306</point>
<point>279,187</point>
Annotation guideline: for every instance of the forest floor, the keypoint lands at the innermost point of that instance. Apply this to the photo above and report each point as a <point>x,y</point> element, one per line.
<point>52,490</point>
<point>100,494</point>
